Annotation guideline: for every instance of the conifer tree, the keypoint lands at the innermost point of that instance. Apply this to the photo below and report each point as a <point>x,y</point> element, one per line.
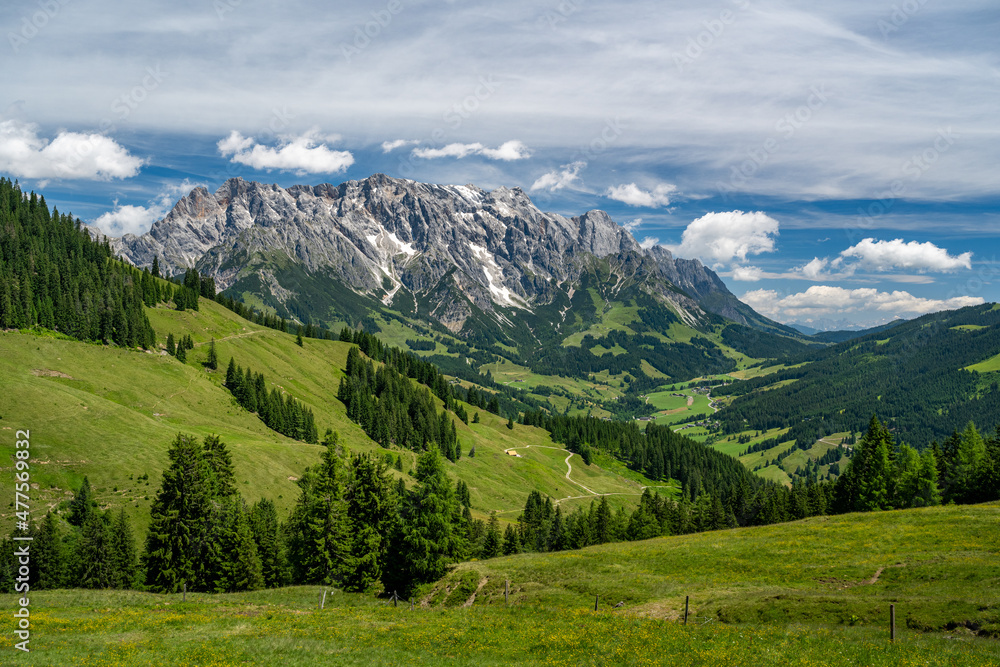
<point>95,558</point>
<point>429,538</point>
<point>213,358</point>
<point>124,556</point>
<point>176,540</point>
<point>267,535</point>
<point>493,540</point>
<point>82,505</point>
<point>220,464</point>
<point>171,346</point>
<point>48,557</point>
<point>372,512</point>
<point>182,353</point>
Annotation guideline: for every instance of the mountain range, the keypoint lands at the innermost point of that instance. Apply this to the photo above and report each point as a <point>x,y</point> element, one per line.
<point>451,255</point>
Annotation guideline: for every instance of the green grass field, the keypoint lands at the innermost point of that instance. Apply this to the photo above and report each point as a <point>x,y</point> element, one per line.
<point>814,592</point>
<point>991,365</point>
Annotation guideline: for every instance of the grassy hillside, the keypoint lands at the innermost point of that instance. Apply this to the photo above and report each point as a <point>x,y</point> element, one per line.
<point>110,413</point>
<point>937,565</point>
<point>812,593</point>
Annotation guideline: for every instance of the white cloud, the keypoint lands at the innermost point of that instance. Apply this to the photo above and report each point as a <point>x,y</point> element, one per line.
<point>389,146</point>
<point>633,195</point>
<point>632,225</point>
<point>747,274</point>
<point>913,256</point>
<point>648,242</point>
<point>717,238</point>
<point>824,300</point>
<point>234,143</point>
<point>70,155</point>
<point>564,177</point>
<point>507,151</point>
<point>132,219</point>
<point>814,270</point>
<point>305,154</point>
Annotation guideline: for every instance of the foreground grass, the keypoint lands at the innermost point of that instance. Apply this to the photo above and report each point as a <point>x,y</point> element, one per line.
<point>285,627</point>
<point>938,566</point>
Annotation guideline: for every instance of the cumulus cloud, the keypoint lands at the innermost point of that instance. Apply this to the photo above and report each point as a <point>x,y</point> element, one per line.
<point>304,154</point>
<point>71,155</point>
<point>507,151</point>
<point>389,146</point>
<point>912,256</point>
<point>814,270</point>
<point>133,219</point>
<point>824,300</point>
<point>648,242</point>
<point>747,274</point>
<point>564,177</point>
<point>718,238</point>
<point>633,195</point>
<point>632,225</point>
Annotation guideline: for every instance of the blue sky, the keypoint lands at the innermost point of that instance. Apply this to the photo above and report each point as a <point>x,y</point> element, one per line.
<point>835,164</point>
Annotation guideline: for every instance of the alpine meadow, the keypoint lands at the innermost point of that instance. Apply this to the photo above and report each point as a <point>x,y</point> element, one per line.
<point>700,366</point>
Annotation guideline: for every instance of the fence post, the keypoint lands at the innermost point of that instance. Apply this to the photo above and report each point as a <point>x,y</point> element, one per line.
<point>184,595</point>
<point>322,605</point>
<point>892,622</point>
<point>687,598</point>
<point>395,599</point>
<point>597,598</point>
<point>506,591</point>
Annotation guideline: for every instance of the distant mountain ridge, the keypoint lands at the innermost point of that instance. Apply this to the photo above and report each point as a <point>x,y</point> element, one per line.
<point>448,252</point>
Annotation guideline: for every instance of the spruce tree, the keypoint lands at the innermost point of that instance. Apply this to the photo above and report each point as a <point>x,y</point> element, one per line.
<point>220,463</point>
<point>371,510</point>
<point>267,535</point>
<point>171,346</point>
<point>95,556</point>
<point>213,358</point>
<point>124,556</point>
<point>318,529</point>
<point>493,540</point>
<point>429,538</point>
<point>47,554</point>
<point>182,353</point>
<point>175,542</point>
<point>82,505</point>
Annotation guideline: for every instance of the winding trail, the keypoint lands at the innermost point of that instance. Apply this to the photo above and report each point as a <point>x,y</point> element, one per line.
<point>242,335</point>
<point>569,469</point>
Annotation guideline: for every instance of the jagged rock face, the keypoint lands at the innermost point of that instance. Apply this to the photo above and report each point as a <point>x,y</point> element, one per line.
<point>381,234</point>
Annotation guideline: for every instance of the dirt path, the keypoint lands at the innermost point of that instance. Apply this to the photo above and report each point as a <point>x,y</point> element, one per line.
<point>569,469</point>
<point>242,335</point>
